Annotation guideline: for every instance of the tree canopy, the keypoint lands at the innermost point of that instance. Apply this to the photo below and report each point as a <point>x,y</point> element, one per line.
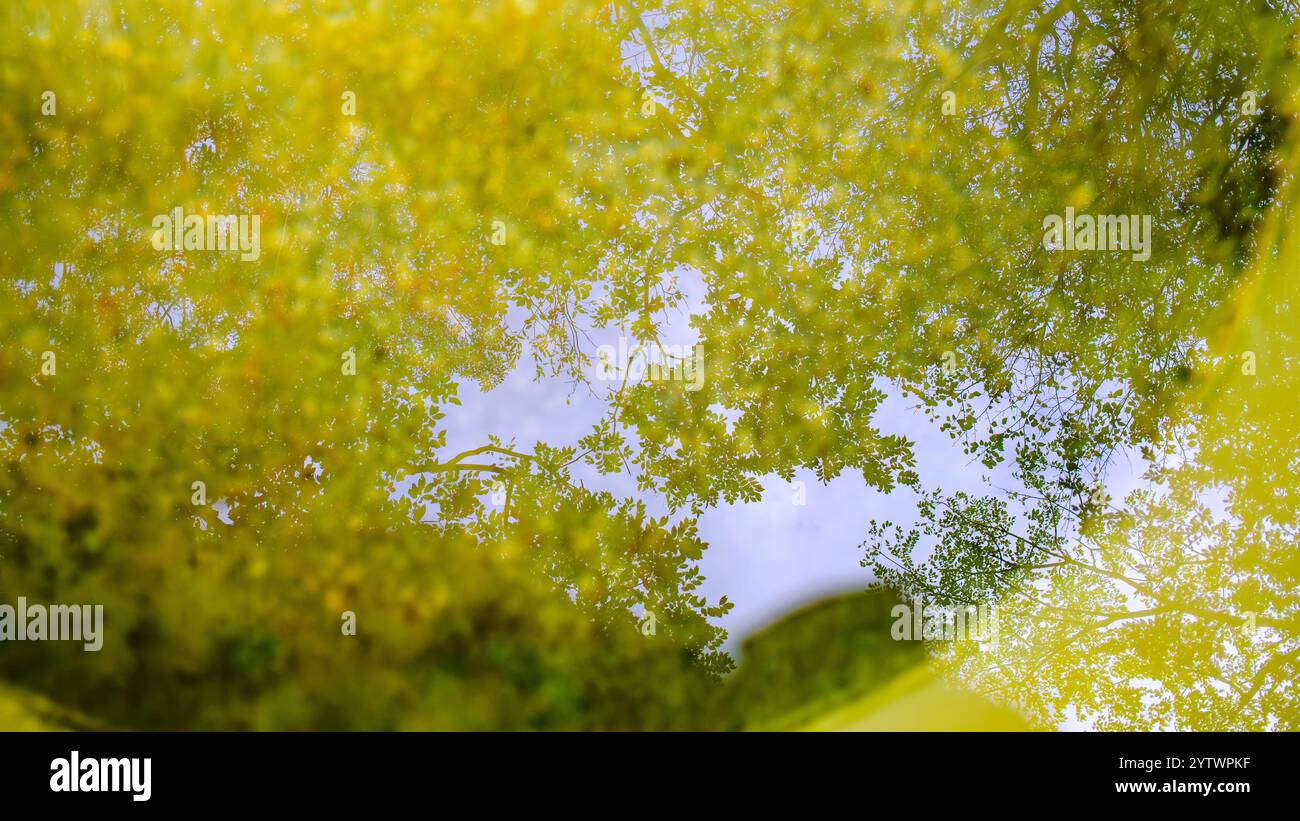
<point>230,454</point>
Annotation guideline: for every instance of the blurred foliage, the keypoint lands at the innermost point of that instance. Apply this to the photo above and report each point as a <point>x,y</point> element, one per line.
<point>795,159</point>
<point>834,665</point>
<point>1176,607</point>
<point>817,659</point>
<point>176,368</point>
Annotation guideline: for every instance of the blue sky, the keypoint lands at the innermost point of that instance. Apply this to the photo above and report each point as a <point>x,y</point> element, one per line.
<point>770,556</point>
